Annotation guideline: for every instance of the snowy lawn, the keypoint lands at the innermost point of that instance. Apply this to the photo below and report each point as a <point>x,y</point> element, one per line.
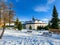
<point>15,37</point>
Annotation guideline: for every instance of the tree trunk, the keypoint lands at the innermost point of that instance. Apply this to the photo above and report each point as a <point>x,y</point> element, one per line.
<point>3,29</point>
<point>2,33</point>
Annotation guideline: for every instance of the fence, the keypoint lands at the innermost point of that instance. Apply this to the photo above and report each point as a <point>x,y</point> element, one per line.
<point>55,30</point>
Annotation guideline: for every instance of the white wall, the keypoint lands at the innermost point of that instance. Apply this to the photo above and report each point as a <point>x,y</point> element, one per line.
<point>34,26</point>
<point>28,25</point>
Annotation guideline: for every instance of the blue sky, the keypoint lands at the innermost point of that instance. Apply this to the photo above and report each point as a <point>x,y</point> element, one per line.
<point>40,9</point>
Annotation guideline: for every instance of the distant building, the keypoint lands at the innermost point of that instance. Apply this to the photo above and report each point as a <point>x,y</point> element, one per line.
<point>7,24</point>
<point>59,24</point>
<point>34,23</point>
<point>11,25</point>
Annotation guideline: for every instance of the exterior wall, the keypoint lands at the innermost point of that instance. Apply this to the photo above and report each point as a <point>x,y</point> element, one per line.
<point>34,26</point>
<point>35,23</point>
<point>59,25</point>
<point>42,25</point>
<point>28,25</point>
<point>7,24</point>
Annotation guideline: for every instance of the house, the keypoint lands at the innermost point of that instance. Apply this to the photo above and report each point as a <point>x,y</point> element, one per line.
<point>7,24</point>
<point>34,23</point>
<point>59,24</point>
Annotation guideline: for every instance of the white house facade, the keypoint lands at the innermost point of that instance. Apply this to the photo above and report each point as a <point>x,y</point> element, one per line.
<point>34,23</point>
<point>59,24</point>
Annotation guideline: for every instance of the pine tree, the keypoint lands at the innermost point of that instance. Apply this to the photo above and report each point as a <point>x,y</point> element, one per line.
<point>16,23</point>
<point>19,26</point>
<point>30,27</point>
<point>54,20</point>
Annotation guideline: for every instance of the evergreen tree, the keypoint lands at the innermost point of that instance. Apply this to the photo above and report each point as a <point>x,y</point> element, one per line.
<point>54,20</point>
<point>39,28</point>
<point>16,23</point>
<point>19,26</point>
<point>30,27</point>
<point>49,25</point>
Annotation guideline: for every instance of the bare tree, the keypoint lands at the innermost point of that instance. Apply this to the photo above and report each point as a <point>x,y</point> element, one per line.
<point>11,13</point>
<point>3,7</point>
<point>0,16</point>
<point>6,14</point>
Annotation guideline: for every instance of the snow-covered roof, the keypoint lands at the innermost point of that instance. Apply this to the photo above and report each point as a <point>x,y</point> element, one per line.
<point>33,21</point>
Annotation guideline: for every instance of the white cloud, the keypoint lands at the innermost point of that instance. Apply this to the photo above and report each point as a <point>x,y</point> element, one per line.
<point>44,8</point>
<point>41,8</point>
<point>5,0</point>
<point>50,1</point>
<point>17,0</point>
<point>46,20</point>
<point>10,0</point>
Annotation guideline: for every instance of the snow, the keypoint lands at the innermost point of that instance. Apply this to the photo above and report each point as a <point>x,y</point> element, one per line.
<point>57,36</point>
<point>15,37</point>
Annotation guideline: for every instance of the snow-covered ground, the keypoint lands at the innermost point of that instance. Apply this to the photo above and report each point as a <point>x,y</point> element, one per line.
<point>15,37</point>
